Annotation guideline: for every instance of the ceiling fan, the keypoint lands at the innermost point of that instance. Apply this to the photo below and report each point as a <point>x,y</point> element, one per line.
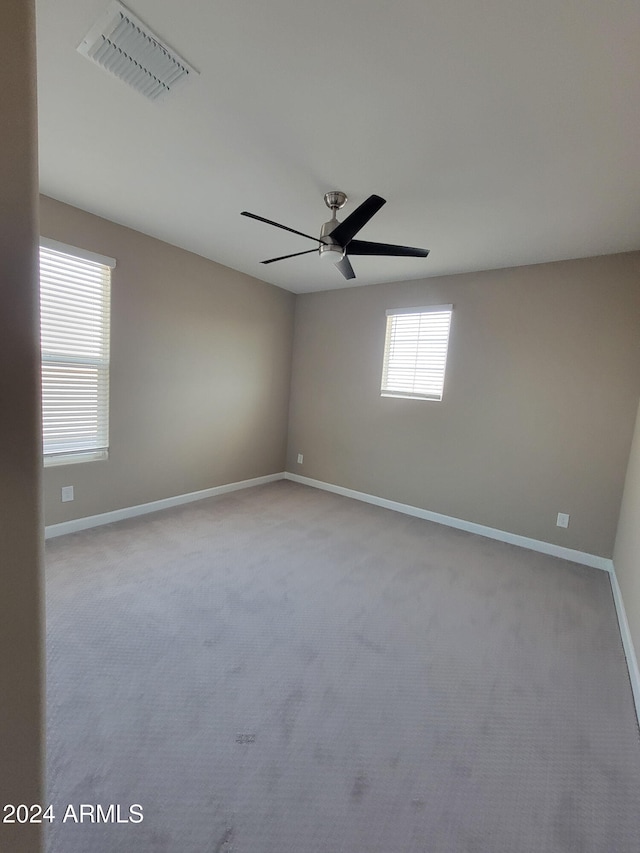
<point>336,238</point>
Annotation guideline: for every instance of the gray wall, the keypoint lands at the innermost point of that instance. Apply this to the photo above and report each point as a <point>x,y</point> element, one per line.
<point>541,393</point>
<point>200,368</point>
<point>21,681</point>
<point>626,556</point>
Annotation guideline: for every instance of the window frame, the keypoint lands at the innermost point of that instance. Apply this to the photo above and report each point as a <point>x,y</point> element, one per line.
<point>57,316</point>
<point>387,389</point>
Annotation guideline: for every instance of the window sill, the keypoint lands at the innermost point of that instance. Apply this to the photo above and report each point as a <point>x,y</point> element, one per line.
<point>74,458</point>
<point>410,396</point>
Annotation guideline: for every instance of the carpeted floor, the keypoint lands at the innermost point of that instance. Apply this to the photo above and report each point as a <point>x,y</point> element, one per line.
<point>282,670</point>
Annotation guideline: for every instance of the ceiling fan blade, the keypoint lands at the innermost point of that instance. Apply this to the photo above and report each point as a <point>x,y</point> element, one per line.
<point>284,257</point>
<point>345,231</point>
<point>277,225</point>
<point>344,265</point>
<point>363,247</point>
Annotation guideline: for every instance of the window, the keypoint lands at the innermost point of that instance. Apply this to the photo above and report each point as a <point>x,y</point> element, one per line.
<point>415,352</point>
<point>75,291</point>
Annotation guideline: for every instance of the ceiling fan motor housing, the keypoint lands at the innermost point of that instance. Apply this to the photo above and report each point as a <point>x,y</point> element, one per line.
<point>330,249</point>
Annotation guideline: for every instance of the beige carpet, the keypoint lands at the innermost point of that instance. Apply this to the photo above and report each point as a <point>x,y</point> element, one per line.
<point>282,670</point>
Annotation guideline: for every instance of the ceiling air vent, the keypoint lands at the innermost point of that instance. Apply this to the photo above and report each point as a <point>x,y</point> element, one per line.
<point>120,43</point>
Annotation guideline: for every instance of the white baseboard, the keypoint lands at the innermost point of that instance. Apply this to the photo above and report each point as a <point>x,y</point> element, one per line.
<point>581,557</point>
<point>627,642</point>
<point>142,509</point>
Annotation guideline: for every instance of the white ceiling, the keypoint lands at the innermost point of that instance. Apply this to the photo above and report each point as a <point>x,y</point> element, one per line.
<point>501,132</point>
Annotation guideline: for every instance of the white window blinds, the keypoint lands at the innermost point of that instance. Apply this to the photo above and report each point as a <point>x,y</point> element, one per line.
<point>415,352</point>
<point>75,292</point>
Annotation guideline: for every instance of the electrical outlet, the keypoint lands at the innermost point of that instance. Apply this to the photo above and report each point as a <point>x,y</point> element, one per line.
<point>300,458</point>
<point>66,493</point>
<point>563,519</point>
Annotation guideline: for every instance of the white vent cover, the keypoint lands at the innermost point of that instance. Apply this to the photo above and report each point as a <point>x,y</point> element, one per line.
<point>120,43</point>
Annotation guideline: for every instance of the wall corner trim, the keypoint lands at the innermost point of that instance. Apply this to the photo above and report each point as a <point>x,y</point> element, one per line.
<point>592,560</point>
<point>627,641</point>
<point>76,524</point>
